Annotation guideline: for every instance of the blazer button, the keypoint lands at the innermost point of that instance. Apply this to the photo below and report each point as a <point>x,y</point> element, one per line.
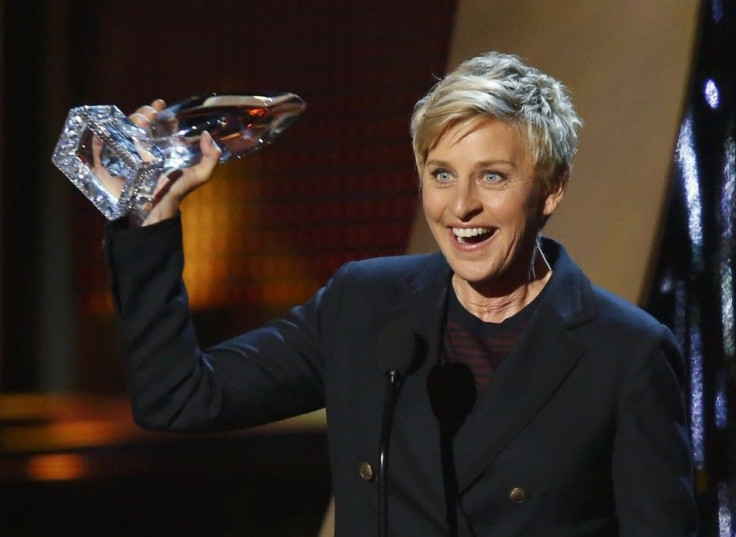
<point>518,495</point>
<point>366,471</point>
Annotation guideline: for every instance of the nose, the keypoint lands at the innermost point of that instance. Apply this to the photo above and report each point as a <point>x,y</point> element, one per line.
<point>465,202</point>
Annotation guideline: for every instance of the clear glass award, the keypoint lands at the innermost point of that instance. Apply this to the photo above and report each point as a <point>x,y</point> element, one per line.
<point>117,164</point>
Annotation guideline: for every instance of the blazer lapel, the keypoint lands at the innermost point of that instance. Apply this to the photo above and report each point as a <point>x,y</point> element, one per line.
<point>415,443</point>
<point>425,308</point>
<point>522,385</point>
<point>528,377</point>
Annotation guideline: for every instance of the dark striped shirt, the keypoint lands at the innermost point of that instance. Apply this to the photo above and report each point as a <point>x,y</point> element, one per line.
<point>482,346</point>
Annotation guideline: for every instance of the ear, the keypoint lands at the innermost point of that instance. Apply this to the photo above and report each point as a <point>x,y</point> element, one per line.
<point>555,192</point>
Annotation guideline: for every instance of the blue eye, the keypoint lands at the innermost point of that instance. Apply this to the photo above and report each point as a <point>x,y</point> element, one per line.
<point>443,176</point>
<point>491,177</point>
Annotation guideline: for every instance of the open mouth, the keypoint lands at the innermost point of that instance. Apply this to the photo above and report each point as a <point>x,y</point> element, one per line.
<point>472,235</point>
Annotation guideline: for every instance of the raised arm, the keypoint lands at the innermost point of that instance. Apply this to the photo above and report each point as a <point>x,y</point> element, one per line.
<point>263,375</point>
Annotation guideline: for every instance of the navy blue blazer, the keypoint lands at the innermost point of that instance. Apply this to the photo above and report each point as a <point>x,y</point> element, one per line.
<point>582,432</point>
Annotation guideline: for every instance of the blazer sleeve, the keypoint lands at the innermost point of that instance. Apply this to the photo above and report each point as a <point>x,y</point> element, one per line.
<point>264,375</point>
<point>652,468</point>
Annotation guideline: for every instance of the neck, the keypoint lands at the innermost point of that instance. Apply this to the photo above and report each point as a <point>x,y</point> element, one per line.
<point>500,300</point>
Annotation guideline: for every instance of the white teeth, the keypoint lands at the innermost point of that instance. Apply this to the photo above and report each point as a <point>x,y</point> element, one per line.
<point>465,233</point>
<point>470,232</point>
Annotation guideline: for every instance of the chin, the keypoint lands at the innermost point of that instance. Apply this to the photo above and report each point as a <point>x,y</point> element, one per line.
<point>475,277</point>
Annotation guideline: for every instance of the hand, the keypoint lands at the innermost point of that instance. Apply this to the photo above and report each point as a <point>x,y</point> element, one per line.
<point>171,189</point>
<point>112,183</point>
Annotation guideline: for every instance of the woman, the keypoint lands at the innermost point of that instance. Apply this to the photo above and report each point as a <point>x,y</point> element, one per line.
<point>544,406</point>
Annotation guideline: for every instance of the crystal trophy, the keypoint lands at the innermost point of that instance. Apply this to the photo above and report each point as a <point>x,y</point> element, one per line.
<point>117,164</point>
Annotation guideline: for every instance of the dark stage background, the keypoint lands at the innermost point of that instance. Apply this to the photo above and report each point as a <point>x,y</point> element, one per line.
<point>269,230</point>
<point>263,236</point>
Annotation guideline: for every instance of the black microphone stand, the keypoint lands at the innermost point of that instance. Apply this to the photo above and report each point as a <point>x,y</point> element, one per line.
<point>389,404</point>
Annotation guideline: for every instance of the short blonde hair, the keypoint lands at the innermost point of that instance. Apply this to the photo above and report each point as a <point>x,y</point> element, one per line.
<point>501,86</point>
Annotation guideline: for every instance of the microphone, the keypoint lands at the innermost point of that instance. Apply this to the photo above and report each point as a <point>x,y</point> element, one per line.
<point>399,347</point>
<point>400,352</point>
<point>451,389</point>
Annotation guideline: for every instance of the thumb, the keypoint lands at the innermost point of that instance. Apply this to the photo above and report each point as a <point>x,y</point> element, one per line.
<point>211,153</point>
<point>175,186</point>
<point>188,179</point>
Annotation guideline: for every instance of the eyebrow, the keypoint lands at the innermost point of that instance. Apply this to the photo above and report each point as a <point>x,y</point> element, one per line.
<point>481,164</point>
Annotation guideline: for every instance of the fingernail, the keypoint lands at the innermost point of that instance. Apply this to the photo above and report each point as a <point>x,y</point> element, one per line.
<point>210,139</point>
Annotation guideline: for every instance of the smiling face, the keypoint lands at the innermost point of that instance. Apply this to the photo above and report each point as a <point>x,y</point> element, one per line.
<point>485,205</point>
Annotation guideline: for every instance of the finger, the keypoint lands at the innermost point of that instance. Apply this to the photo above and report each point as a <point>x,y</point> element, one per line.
<point>147,111</point>
<point>97,146</point>
<point>139,119</point>
<point>210,157</point>
<point>211,152</point>
<point>158,104</point>
<point>144,115</point>
<point>194,177</point>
